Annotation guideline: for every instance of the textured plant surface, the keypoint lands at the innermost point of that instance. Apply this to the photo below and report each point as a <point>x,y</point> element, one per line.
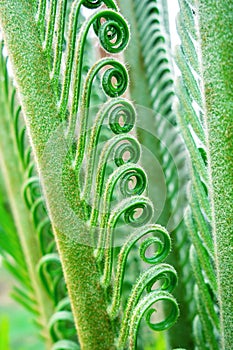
<point>115,212</point>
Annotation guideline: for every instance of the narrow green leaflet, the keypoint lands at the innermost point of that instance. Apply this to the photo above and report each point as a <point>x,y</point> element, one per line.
<point>13,248</point>
<point>198,217</point>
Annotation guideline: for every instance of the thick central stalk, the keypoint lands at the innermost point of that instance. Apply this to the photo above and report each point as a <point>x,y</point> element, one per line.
<point>216,28</point>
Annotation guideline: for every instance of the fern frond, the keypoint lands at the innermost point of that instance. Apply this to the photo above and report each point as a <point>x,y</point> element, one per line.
<point>116,202</point>
<point>198,217</point>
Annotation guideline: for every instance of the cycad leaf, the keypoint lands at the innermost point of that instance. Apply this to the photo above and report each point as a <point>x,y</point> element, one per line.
<point>198,217</point>
<point>216,47</point>
<point>94,192</point>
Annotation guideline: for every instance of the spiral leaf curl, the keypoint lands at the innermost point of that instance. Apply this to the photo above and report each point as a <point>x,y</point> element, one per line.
<point>65,345</point>
<point>59,317</point>
<point>118,71</point>
<point>160,238</point>
<point>129,206</point>
<point>106,31</point>
<point>131,181</point>
<point>51,20</point>
<point>128,209</point>
<point>113,33</point>
<point>145,306</point>
<point>125,175</point>
<point>45,269</point>
<point>93,4</point>
<point>118,145</point>
<point>150,59</point>
<point>108,43</point>
<point>133,310</point>
<point>113,110</point>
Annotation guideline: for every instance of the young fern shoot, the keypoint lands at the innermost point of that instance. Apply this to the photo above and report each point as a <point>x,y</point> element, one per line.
<point>93,191</point>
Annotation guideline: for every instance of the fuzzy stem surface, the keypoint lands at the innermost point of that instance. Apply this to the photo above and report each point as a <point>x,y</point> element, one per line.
<point>216,28</point>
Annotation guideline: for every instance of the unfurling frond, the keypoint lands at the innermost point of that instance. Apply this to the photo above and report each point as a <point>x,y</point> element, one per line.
<point>95,191</point>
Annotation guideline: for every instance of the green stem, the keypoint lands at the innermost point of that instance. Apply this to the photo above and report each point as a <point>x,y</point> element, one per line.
<point>14,178</point>
<point>215,25</point>
<point>87,298</point>
<point>38,99</point>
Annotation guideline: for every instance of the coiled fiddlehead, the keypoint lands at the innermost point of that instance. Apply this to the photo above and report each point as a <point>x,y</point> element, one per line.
<point>118,72</point>
<point>129,209</point>
<point>103,214</point>
<point>145,306</point>
<point>150,58</point>
<point>117,146</point>
<point>198,216</point>
<point>160,239</point>
<point>61,325</point>
<point>111,44</point>
<point>135,309</point>
<point>65,345</point>
<point>115,110</point>
<point>50,272</point>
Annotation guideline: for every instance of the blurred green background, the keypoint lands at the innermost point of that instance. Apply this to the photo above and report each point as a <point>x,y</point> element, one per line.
<point>17,331</point>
